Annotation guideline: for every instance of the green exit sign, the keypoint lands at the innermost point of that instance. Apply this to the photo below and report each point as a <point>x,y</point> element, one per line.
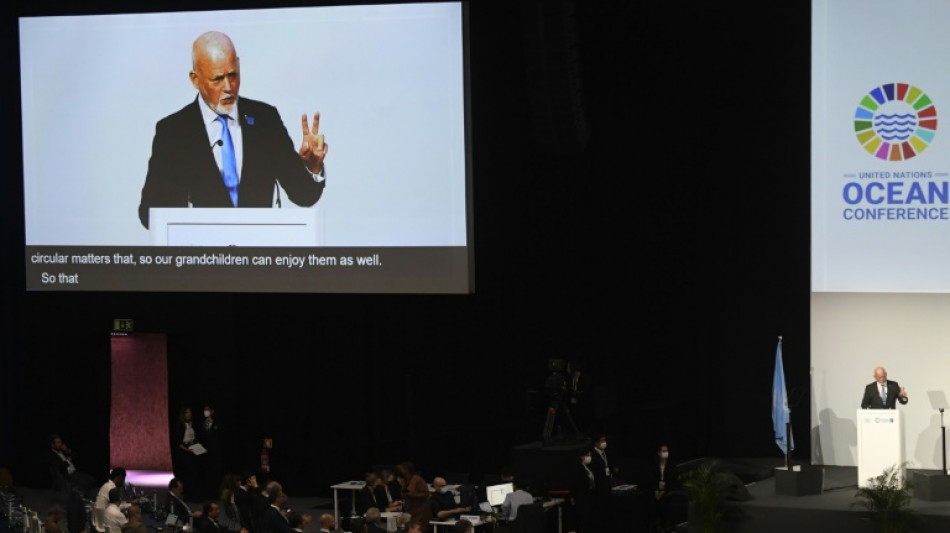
<point>123,324</point>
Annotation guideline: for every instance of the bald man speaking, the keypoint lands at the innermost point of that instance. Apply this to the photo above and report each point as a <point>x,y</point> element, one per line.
<point>224,151</point>
<point>883,393</point>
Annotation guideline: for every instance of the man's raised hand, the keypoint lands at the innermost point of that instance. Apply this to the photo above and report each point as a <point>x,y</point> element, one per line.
<point>313,148</point>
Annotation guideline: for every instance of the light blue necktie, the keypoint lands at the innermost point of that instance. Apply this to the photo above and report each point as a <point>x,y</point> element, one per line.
<point>228,161</point>
<point>883,396</point>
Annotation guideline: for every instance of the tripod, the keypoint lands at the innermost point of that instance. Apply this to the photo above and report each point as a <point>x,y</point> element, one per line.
<point>557,406</point>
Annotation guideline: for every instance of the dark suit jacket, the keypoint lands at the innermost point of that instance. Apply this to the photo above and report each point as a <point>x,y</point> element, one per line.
<point>244,500</point>
<point>210,526</point>
<point>652,478</point>
<point>602,480</point>
<point>274,522</point>
<point>57,466</point>
<point>366,498</point>
<point>182,168</point>
<point>582,488</point>
<point>175,506</point>
<point>872,399</point>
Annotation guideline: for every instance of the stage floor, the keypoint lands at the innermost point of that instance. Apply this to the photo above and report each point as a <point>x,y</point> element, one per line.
<point>832,511</point>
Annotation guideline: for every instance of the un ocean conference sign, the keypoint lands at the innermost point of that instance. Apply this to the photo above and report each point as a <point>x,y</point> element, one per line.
<point>894,123</point>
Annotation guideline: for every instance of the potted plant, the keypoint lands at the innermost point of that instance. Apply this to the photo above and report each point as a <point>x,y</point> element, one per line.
<point>887,500</point>
<point>706,488</point>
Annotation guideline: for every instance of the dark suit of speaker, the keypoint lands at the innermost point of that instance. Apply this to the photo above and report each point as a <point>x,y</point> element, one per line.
<point>182,171</point>
<point>872,396</point>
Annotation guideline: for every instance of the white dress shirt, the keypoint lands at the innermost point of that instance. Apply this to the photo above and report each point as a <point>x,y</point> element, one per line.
<point>102,498</point>
<point>114,518</point>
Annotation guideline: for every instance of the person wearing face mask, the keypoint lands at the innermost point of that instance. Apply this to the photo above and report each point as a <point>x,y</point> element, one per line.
<point>603,480</point>
<point>443,502</point>
<point>662,480</point>
<point>582,487</point>
<point>211,463</point>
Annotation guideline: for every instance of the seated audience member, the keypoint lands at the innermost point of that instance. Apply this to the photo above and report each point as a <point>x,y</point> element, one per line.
<point>515,499</point>
<point>175,503</point>
<point>296,521</point>
<point>391,485</point>
<point>116,480</point>
<point>443,502</point>
<point>327,523</point>
<point>368,496</point>
<point>53,517</point>
<point>403,522</point>
<point>64,470</point>
<point>210,522</point>
<point>114,518</point>
<point>373,521</point>
<point>414,527</point>
<point>385,498</point>
<point>135,524</point>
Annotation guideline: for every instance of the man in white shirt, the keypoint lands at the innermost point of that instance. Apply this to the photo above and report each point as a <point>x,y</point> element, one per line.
<point>116,480</point>
<point>114,519</point>
<point>515,499</point>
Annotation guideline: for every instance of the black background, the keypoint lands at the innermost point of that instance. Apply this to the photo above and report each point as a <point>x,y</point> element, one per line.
<point>641,199</point>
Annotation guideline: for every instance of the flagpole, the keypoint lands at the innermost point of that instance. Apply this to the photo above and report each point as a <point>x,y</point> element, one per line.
<point>788,430</point>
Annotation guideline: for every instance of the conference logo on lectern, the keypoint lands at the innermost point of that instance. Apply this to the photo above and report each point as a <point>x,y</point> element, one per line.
<point>895,122</point>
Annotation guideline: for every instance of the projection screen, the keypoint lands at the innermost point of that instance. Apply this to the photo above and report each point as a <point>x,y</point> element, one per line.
<point>121,192</point>
<point>880,222</point>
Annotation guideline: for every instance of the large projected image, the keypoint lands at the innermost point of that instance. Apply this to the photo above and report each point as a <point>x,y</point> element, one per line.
<point>343,166</point>
<point>880,219</point>
<point>880,155</point>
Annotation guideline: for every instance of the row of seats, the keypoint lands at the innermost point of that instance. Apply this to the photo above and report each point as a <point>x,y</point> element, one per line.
<point>20,518</point>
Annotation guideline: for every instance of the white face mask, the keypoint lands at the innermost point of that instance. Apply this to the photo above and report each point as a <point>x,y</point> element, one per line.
<point>207,413</point>
<point>664,455</point>
<point>587,460</point>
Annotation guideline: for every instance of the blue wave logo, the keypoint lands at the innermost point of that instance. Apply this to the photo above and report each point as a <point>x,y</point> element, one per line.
<point>895,121</point>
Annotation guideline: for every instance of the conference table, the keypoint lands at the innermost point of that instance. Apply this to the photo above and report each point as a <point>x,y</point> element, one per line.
<point>546,504</point>
<point>355,486</point>
<point>449,523</point>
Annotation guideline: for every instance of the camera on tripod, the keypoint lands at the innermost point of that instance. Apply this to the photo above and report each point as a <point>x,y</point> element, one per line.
<point>555,384</point>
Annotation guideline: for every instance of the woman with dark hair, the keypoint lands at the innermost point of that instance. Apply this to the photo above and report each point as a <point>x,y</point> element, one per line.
<point>415,494</point>
<point>184,460</point>
<point>230,517</point>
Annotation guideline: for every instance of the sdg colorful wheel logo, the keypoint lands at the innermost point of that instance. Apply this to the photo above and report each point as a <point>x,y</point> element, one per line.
<point>895,122</point>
